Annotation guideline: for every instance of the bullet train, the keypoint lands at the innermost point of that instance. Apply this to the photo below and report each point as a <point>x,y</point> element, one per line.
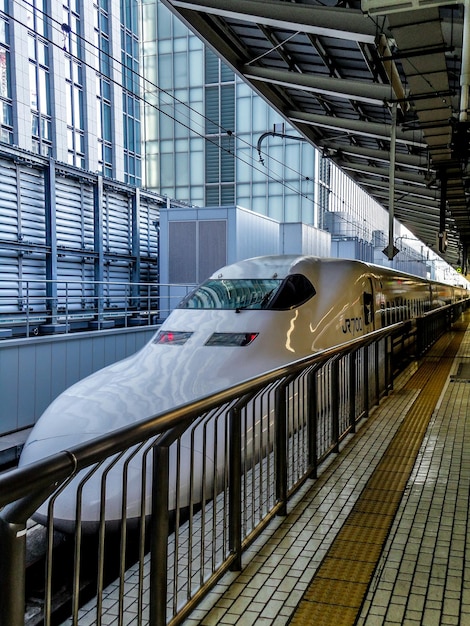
<point>246,319</point>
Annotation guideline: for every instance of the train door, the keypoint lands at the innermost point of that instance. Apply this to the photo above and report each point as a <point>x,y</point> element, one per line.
<point>368,306</point>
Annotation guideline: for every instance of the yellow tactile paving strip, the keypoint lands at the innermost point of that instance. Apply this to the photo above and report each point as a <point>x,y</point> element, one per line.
<point>337,591</point>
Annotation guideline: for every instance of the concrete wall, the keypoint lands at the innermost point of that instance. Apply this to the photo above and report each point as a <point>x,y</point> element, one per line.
<point>34,371</point>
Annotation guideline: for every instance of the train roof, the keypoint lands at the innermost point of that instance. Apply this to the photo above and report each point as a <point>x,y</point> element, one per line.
<point>280,266</point>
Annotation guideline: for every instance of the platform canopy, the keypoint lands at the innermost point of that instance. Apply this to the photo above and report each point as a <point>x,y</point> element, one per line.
<point>341,72</point>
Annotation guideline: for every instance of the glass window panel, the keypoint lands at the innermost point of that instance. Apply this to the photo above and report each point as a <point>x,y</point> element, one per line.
<point>78,108</point>
<point>44,101</point>
<point>77,73</point>
<point>46,129</point>
<point>31,48</point>
<point>166,127</point>
<point>167,147</point>
<point>292,154</point>
<point>180,44</point>
<point>7,114</point>
<point>107,122</point>
<point>196,76</point>
<point>165,71</point>
<point>137,127</point>
<point>181,70</point>
<point>243,168</point>
<point>152,164</point>
<point>243,114</point>
<point>99,119</point>
<point>259,118</point>
<point>104,22</point>
<point>33,93</point>
<point>68,104</point>
<point>106,89</point>
<point>70,145</point>
<point>34,125</point>
<point>108,153</point>
<point>43,57</point>
<point>292,208</point>
<point>164,47</point>
<point>164,23</point>
<point>179,29</point>
<point>227,160</point>
<point>167,169</point>
<point>182,168</point>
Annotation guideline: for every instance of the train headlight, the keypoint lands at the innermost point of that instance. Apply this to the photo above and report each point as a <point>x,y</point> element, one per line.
<point>172,337</point>
<point>231,339</point>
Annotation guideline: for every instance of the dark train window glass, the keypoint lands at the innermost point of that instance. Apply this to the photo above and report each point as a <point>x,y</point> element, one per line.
<point>368,308</point>
<point>294,291</point>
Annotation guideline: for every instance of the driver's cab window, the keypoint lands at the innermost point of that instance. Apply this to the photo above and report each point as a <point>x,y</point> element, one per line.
<point>294,291</point>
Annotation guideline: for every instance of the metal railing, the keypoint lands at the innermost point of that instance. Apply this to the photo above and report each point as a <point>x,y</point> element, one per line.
<point>34,304</point>
<point>188,490</point>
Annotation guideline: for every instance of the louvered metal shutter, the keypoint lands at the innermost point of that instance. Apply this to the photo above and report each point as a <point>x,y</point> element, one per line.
<point>75,238</point>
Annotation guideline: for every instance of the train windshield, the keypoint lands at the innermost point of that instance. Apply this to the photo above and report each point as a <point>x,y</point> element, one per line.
<point>250,293</point>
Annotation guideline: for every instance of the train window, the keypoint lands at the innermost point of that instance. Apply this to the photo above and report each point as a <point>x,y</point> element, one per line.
<point>368,309</point>
<point>232,293</point>
<point>294,291</point>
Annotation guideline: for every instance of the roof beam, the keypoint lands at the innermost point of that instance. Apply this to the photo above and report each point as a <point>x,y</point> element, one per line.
<point>324,21</point>
<point>372,93</point>
<point>381,172</point>
<point>411,161</point>
<point>355,127</point>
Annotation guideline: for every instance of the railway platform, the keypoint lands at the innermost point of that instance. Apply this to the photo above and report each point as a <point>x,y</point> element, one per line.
<point>382,535</point>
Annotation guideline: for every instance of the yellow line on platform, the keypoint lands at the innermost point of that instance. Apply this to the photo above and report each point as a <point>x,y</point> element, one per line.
<point>338,589</point>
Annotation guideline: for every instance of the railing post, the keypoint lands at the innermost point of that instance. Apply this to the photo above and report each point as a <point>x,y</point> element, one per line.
<point>334,399</point>
<point>159,536</point>
<point>365,380</point>
<point>388,348</point>
<point>280,445</point>
<point>12,572</point>
<point>312,422</point>
<point>235,487</point>
<point>352,390</point>
<point>377,372</point>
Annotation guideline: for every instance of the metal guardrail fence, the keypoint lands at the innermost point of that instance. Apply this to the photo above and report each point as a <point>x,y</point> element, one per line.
<point>190,488</point>
<point>36,306</point>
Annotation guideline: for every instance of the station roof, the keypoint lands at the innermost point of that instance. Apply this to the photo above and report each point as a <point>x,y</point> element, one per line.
<point>339,72</point>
